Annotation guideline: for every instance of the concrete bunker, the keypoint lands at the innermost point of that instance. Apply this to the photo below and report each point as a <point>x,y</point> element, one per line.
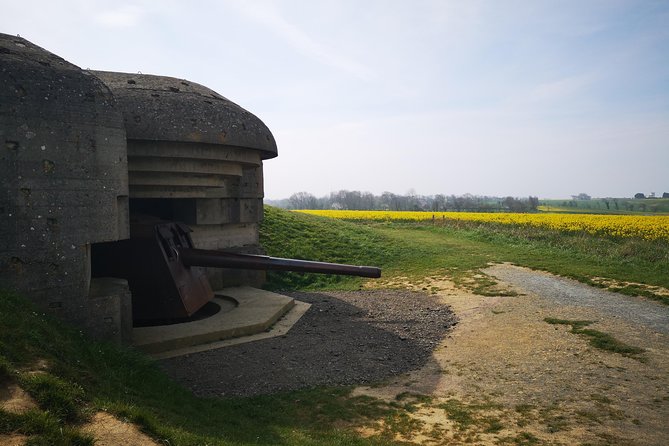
<point>195,157</point>
<point>64,186</point>
<point>106,174</point>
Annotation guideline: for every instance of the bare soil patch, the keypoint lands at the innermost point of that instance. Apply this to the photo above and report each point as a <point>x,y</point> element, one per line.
<point>13,440</point>
<point>110,431</point>
<point>505,376</point>
<point>105,428</point>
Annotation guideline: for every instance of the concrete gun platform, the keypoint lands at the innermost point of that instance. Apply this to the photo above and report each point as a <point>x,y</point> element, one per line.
<point>246,314</point>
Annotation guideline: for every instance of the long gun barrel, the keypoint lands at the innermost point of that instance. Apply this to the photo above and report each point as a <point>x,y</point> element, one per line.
<point>217,259</point>
<point>165,271</point>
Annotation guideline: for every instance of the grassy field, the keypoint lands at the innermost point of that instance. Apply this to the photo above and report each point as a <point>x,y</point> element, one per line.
<point>647,227</point>
<point>608,206</point>
<point>458,248</point>
<point>83,377</point>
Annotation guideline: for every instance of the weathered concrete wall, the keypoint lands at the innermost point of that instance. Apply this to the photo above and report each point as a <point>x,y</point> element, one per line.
<point>195,157</point>
<point>161,108</point>
<point>64,177</point>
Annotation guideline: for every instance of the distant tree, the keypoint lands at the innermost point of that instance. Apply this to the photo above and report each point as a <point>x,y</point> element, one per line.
<point>439,203</point>
<point>665,195</point>
<point>639,196</point>
<point>581,196</point>
<point>356,200</point>
<point>386,201</point>
<point>513,204</point>
<point>607,202</point>
<point>303,200</point>
<point>469,202</point>
<point>455,202</point>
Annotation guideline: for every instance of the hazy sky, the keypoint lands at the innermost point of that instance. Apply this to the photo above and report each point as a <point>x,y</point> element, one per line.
<point>500,97</point>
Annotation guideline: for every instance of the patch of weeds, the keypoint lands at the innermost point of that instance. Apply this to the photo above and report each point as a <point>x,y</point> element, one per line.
<point>412,400</point>
<point>458,413</point>
<point>615,414</point>
<point>554,423</point>
<point>639,290</point>
<point>58,397</point>
<point>611,440</point>
<point>600,399</point>
<point>6,369</point>
<point>437,432</point>
<point>467,415</point>
<point>607,342</point>
<point>525,439</point>
<point>590,416</point>
<point>526,413</point>
<point>43,429</point>
<point>415,397</point>
<point>400,423</point>
<point>575,325</point>
<point>65,437</point>
<point>598,339</point>
<point>604,408</point>
<point>522,439</point>
<point>483,285</point>
<point>524,409</point>
<point>493,425</point>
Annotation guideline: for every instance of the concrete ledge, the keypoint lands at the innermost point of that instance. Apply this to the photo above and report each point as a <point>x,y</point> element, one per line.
<point>256,311</point>
<point>280,328</point>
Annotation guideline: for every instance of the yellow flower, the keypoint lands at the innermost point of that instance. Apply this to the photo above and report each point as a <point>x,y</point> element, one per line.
<point>642,226</point>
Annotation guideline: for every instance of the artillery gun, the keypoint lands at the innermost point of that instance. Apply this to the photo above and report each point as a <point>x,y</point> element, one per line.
<point>165,271</point>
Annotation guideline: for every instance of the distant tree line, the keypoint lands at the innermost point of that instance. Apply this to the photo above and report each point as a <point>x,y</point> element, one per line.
<point>356,200</point>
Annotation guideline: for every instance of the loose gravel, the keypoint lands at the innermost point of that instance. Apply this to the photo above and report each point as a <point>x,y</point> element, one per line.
<point>563,291</point>
<point>346,338</point>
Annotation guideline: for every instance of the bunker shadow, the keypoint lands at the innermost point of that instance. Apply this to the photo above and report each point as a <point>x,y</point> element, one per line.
<point>346,338</point>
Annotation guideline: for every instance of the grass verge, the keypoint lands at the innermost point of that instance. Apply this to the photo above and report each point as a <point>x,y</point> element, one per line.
<point>82,377</point>
<point>458,249</point>
<point>598,339</point>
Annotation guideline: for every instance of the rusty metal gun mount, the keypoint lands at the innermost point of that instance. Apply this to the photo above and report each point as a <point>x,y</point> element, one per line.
<point>165,275</point>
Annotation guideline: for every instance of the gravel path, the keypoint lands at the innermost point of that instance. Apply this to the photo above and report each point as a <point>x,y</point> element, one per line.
<point>345,338</point>
<point>638,311</point>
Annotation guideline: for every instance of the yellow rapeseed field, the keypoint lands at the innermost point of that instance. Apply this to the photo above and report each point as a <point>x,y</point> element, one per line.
<point>645,227</point>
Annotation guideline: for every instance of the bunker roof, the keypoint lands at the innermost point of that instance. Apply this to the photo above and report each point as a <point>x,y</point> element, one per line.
<point>39,85</point>
<point>160,108</point>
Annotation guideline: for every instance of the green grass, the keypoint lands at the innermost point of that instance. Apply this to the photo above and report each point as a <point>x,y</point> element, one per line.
<point>615,206</point>
<point>458,250</point>
<point>576,256</point>
<point>83,377</point>
<point>598,339</point>
<point>301,236</point>
<point>60,398</point>
<point>461,414</point>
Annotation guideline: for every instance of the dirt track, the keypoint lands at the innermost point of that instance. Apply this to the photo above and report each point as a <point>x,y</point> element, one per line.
<point>528,382</point>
